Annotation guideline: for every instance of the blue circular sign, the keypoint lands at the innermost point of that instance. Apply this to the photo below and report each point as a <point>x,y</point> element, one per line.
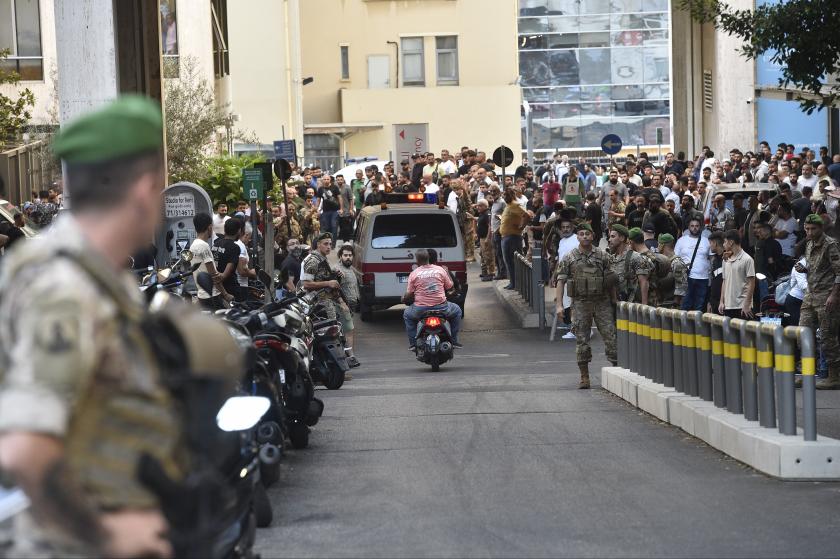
<point>611,144</point>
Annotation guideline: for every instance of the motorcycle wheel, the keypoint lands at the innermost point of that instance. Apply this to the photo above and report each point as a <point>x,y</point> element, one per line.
<point>262,506</point>
<point>333,380</point>
<point>435,363</point>
<point>299,435</point>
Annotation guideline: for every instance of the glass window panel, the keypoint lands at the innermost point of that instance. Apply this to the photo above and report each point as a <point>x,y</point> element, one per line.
<point>562,40</point>
<point>657,91</point>
<point>447,42</point>
<point>627,38</point>
<point>345,62</point>
<point>534,68</point>
<point>595,111</point>
<point>536,94</point>
<point>28,23</point>
<point>620,6</point>
<point>447,67</point>
<point>564,133</point>
<point>169,27</point>
<point>567,7</point>
<point>532,7</point>
<point>564,111</point>
<point>648,130</point>
<point>594,23</point>
<point>6,26</point>
<point>655,21</point>
<point>601,39</point>
<point>657,37</point>
<point>627,92</point>
<point>629,108</point>
<point>565,94</point>
<point>541,134</point>
<point>412,68</point>
<point>594,66</point>
<point>414,44</point>
<point>530,42</point>
<point>657,108</point>
<point>656,64</point>
<point>622,22</point>
<point>595,93</point>
<point>565,69</point>
<point>540,110</point>
<point>534,25</point>
<point>31,69</point>
<point>627,65</point>
<point>629,129</point>
<point>655,5</point>
<point>566,24</point>
<point>595,7</point>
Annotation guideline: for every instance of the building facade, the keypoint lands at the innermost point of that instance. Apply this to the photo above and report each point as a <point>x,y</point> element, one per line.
<point>394,77</point>
<point>594,67</point>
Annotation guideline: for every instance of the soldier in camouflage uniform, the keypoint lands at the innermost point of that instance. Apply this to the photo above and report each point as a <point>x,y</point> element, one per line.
<point>637,242</point>
<point>631,269</point>
<point>592,289</point>
<point>81,393</point>
<point>673,288</point>
<point>310,223</point>
<point>317,274</point>
<point>281,230</point>
<point>822,301</point>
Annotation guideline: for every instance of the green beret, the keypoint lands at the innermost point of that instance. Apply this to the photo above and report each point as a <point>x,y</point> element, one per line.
<point>620,229</point>
<point>323,236</point>
<point>666,238</point>
<point>814,219</point>
<point>583,226</point>
<point>128,126</point>
<point>635,234</point>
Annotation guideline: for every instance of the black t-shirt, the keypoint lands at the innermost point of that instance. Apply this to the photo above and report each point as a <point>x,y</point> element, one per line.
<point>483,224</point>
<point>634,219</point>
<point>290,269</point>
<point>717,282</point>
<point>226,251</point>
<point>329,195</point>
<point>14,234</point>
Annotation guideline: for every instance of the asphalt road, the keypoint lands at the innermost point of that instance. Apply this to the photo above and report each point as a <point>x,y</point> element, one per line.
<point>500,455</point>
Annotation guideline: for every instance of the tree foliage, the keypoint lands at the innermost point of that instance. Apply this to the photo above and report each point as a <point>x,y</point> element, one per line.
<point>222,177</point>
<point>14,112</point>
<point>800,34</point>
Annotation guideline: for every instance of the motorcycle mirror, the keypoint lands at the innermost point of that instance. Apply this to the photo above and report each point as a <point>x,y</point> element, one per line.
<point>264,277</point>
<point>205,282</point>
<point>186,255</point>
<point>241,412</point>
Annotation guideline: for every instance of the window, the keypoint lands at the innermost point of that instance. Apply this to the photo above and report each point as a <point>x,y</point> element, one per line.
<point>345,62</point>
<point>169,38</point>
<point>421,230</point>
<point>221,63</point>
<point>447,60</point>
<point>413,64</point>
<point>20,32</point>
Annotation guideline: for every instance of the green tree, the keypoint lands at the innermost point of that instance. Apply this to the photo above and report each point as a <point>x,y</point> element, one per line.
<point>799,33</point>
<point>222,176</point>
<point>14,112</point>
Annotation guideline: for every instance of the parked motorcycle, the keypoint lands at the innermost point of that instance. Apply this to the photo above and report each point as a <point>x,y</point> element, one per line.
<point>434,340</point>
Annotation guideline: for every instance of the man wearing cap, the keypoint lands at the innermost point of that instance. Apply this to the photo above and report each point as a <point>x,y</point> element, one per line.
<point>592,289</point>
<point>81,395</point>
<point>630,267</point>
<point>673,288</point>
<point>822,301</point>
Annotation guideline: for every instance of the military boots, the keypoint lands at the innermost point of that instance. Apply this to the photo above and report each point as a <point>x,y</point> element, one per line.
<point>584,375</point>
<point>833,380</point>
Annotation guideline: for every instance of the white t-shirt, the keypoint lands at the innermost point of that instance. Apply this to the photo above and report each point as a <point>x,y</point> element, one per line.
<point>449,167</point>
<point>564,247</point>
<point>452,202</point>
<point>201,255</point>
<point>807,181</point>
<point>522,201</point>
<point>685,249</point>
<point>788,242</point>
<point>432,188</point>
<point>219,224</point>
<point>243,255</point>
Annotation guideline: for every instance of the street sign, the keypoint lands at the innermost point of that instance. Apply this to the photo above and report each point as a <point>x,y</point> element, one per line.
<point>252,184</point>
<point>659,135</point>
<point>282,169</point>
<point>503,156</point>
<point>285,149</point>
<point>611,144</point>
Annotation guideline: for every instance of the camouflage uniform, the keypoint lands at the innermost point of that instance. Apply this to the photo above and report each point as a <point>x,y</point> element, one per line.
<point>316,268</point>
<point>281,232</point>
<point>310,225</point>
<point>75,364</point>
<point>628,273</point>
<point>594,306</point>
<point>654,277</point>
<point>679,275</point>
<point>823,262</point>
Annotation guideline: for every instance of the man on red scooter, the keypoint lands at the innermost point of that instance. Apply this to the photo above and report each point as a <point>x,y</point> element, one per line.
<point>427,286</point>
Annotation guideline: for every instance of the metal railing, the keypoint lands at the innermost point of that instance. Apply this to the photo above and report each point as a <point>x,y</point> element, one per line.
<point>744,366</point>
<point>529,283</point>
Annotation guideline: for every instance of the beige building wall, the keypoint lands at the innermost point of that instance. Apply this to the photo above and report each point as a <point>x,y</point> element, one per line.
<point>265,69</point>
<point>44,90</point>
<point>481,111</point>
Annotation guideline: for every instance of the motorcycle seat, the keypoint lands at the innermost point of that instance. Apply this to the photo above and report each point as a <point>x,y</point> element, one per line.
<point>439,314</point>
<point>324,323</point>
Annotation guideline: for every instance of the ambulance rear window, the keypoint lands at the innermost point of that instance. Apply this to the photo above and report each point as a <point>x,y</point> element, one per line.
<point>426,230</point>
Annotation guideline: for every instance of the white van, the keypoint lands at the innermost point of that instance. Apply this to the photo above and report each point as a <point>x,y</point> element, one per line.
<point>385,243</point>
<point>349,172</point>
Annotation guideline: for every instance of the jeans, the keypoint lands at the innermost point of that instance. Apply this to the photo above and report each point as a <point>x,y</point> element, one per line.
<point>413,313</point>
<point>329,223</point>
<point>510,244</point>
<point>695,295</point>
<point>501,271</point>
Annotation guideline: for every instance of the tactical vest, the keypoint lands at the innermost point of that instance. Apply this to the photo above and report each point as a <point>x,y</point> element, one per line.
<point>116,420</point>
<point>589,279</point>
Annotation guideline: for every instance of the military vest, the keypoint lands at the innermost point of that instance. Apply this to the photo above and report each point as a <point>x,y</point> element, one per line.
<point>590,278</point>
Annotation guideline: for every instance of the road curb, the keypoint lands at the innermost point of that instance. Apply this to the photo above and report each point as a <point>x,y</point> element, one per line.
<point>525,317</point>
<point>785,457</point>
